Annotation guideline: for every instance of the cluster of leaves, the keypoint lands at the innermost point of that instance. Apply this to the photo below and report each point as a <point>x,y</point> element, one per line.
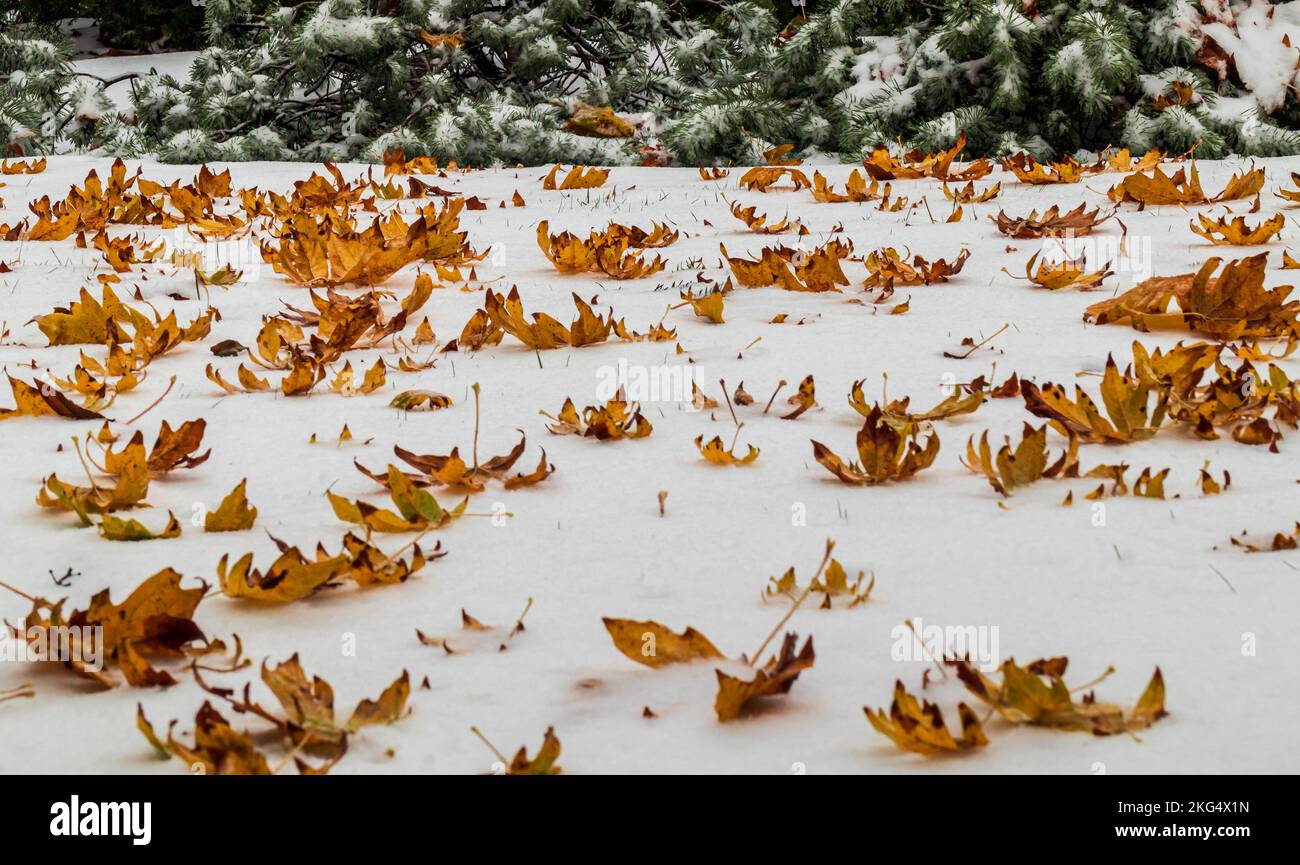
<point>307,724</point>
<point>605,252</point>
<point>1034,694</point>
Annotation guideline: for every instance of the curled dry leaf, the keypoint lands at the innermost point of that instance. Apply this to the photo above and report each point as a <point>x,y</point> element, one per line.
<point>451,469</point>
<point>1236,233</point>
<point>506,315</point>
<point>898,412</point>
<point>881,165</point>
<point>420,400</point>
<point>374,379</point>
<point>968,194</point>
<point>172,449</point>
<point>856,189</point>
<point>1232,305</point>
<point>113,528</point>
<point>1064,273</point>
<point>1053,223</point>
<point>793,269</point>
<point>761,178</point>
<point>1280,542</point>
<point>607,253</point>
<point>545,761</point>
<point>887,453</point>
<point>757,222</point>
<point>155,621</point>
<point>708,305</point>
<point>1183,187</point>
<point>803,399</point>
<point>577,177</point>
<point>616,419</point>
<point>1030,170</point>
<point>776,677</point>
<point>718,453</point>
<point>1027,463</point>
<point>919,726</point>
<point>887,268</point>
<point>129,489</point>
<point>218,748</point>
<point>290,578</point>
<point>43,400</point>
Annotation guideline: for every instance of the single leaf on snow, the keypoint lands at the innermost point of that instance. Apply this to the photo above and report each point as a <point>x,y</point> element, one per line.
<point>291,577</point>
<point>919,726</point>
<point>545,761</point>
<point>117,529</point>
<point>233,514</point>
<point>43,400</point>
<point>1027,463</point>
<point>718,453</point>
<point>655,646</point>
<point>774,678</point>
<point>887,453</point>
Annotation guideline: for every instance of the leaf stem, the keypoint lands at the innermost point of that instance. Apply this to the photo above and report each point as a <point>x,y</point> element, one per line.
<point>826,557</point>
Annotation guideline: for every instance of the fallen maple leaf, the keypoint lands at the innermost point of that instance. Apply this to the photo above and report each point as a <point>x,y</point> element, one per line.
<point>117,529</point>
<point>43,400</point>
<point>920,728</point>
<point>881,165</point>
<point>545,761</point>
<point>654,645</point>
<point>1237,233</point>
<point>418,509</point>
<point>887,453</point>
<point>1027,463</point>
<point>757,222</point>
<point>719,454</point>
<point>774,678</point>
<point>1232,305</point>
<point>1066,273</point>
<point>578,177</point>
<point>233,514</point>
<point>155,620</point>
<point>761,178</point>
<point>1037,694</point>
<point>1281,541</point>
<point>1183,187</point>
<point>1129,413</point>
<point>833,583</point>
<point>1030,170</point>
<point>218,748</point>
<point>1053,223</point>
<point>616,419</point>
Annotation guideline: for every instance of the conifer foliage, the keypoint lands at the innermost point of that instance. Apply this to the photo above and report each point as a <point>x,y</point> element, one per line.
<point>678,81</point>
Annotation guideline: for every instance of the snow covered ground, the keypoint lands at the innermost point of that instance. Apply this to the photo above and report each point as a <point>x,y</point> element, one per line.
<point>1156,584</point>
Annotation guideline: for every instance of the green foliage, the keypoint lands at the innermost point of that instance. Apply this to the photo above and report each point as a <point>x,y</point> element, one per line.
<point>704,81</point>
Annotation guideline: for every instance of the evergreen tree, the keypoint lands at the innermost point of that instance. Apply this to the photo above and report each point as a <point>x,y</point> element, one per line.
<point>688,81</point>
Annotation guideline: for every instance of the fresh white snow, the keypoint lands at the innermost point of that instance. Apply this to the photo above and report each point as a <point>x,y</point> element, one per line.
<point>1157,584</point>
